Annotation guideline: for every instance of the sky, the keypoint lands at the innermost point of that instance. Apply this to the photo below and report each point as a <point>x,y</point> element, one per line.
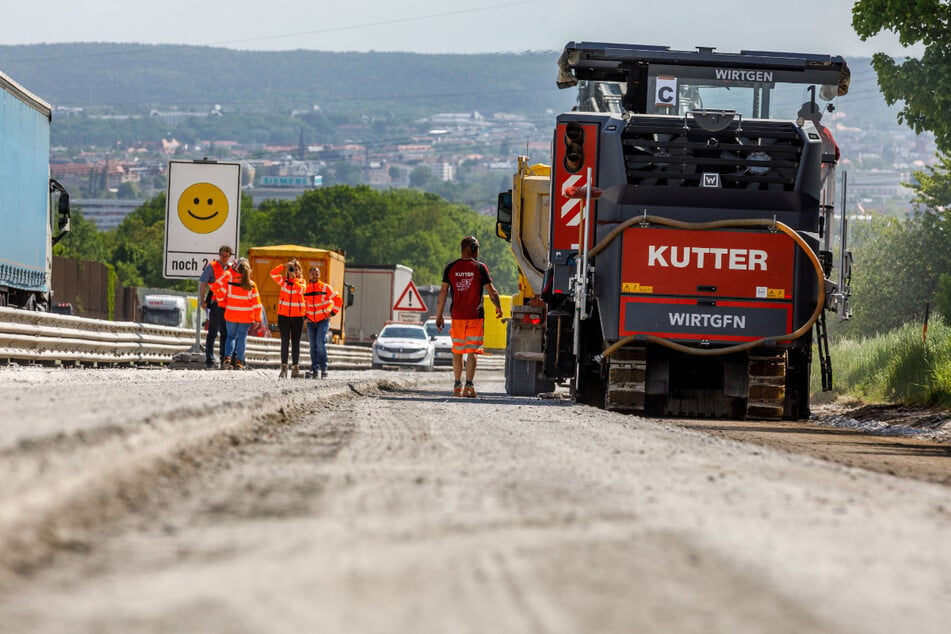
<point>462,26</point>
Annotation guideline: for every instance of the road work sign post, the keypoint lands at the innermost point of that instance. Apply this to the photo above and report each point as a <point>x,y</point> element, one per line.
<point>202,213</point>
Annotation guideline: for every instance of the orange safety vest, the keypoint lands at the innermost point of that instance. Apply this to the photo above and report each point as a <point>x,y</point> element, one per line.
<point>218,270</point>
<point>291,301</point>
<point>243,305</point>
<point>322,301</point>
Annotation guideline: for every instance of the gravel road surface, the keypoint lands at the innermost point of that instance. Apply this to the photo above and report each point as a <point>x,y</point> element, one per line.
<point>160,501</point>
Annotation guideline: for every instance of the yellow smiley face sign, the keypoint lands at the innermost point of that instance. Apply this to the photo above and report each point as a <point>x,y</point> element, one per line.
<point>203,208</point>
<point>202,212</point>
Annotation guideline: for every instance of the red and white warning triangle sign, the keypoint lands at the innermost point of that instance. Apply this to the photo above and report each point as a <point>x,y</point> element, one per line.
<point>410,299</point>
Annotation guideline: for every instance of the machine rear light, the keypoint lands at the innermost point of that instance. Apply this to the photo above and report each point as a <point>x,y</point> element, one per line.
<point>532,319</point>
<point>574,144</point>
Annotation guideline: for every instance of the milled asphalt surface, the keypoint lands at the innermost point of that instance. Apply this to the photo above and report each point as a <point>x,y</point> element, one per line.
<point>158,500</point>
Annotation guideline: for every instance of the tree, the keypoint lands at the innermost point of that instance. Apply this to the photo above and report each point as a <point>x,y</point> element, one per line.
<point>396,226</point>
<point>420,176</point>
<point>127,191</point>
<point>139,240</point>
<point>344,173</point>
<point>84,240</point>
<point>892,282</point>
<point>933,185</point>
<point>921,84</point>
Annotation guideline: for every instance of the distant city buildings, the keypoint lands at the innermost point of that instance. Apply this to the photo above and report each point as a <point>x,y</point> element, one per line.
<point>106,213</point>
<point>108,184</point>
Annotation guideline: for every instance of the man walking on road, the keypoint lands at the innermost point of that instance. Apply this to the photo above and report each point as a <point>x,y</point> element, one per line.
<point>463,280</point>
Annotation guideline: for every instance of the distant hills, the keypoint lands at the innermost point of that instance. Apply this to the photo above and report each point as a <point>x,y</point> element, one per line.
<point>125,77</point>
<point>394,87</point>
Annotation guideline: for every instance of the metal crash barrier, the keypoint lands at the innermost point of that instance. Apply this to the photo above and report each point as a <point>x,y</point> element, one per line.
<point>46,338</point>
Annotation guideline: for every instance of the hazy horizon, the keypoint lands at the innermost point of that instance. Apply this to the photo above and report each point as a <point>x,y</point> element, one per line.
<point>469,26</point>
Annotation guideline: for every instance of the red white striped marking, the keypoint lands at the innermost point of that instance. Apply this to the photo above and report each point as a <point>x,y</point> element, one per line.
<point>571,208</point>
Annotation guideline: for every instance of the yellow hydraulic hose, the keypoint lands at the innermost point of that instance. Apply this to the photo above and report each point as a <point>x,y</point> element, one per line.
<point>718,224</point>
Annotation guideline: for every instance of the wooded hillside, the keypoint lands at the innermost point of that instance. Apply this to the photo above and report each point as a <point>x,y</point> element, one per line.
<point>127,77</point>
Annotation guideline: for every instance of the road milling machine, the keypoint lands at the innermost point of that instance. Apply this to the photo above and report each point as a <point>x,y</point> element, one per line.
<point>676,256</point>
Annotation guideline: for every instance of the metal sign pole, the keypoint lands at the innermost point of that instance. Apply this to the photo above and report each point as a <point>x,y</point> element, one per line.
<point>198,320</point>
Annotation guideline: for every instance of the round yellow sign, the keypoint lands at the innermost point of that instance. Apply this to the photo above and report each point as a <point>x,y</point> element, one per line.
<point>202,208</point>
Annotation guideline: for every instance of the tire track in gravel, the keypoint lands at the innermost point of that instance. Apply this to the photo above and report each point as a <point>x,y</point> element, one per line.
<point>60,490</point>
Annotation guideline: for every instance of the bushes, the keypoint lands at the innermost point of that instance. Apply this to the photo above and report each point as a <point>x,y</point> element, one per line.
<point>896,367</point>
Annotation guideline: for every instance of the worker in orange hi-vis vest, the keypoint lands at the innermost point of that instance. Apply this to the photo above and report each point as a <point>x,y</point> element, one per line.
<point>463,280</point>
<point>321,302</point>
<point>242,308</point>
<point>290,313</point>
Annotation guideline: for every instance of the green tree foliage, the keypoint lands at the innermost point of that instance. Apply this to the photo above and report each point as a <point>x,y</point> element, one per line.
<point>903,265</point>
<point>344,173</point>
<point>398,226</point>
<point>136,246</point>
<point>921,84</point>
<point>84,240</point>
<point>128,191</point>
<point>899,268</point>
<point>420,176</point>
<point>139,241</point>
<point>933,185</point>
<point>942,299</point>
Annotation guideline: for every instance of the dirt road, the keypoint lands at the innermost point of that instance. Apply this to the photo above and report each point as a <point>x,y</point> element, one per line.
<point>374,502</point>
<point>892,451</point>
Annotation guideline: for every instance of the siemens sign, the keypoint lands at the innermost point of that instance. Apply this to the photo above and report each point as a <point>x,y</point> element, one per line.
<point>292,181</point>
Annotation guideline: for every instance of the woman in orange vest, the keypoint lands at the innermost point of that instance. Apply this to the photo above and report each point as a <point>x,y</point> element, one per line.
<point>290,313</point>
<point>322,303</point>
<point>242,308</point>
<point>216,312</point>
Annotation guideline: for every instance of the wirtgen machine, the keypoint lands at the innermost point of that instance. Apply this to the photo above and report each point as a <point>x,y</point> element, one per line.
<point>677,254</point>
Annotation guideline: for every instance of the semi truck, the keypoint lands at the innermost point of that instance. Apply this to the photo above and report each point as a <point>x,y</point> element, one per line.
<point>34,209</point>
<point>683,260</point>
<point>379,291</point>
<point>176,311</point>
<point>332,265</point>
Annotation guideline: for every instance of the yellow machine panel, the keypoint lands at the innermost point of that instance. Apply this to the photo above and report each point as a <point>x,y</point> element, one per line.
<point>495,337</point>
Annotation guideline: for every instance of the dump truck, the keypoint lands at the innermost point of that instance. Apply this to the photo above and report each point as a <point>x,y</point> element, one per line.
<point>34,209</point>
<point>687,260</point>
<point>332,265</point>
<point>524,218</point>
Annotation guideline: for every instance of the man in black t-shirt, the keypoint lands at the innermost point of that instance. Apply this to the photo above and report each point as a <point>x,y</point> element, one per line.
<point>463,280</point>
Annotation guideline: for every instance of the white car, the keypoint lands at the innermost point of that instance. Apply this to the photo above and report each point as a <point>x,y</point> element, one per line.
<point>405,345</point>
<point>442,340</point>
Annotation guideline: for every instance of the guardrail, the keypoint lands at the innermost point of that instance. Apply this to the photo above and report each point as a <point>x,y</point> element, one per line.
<point>62,339</point>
